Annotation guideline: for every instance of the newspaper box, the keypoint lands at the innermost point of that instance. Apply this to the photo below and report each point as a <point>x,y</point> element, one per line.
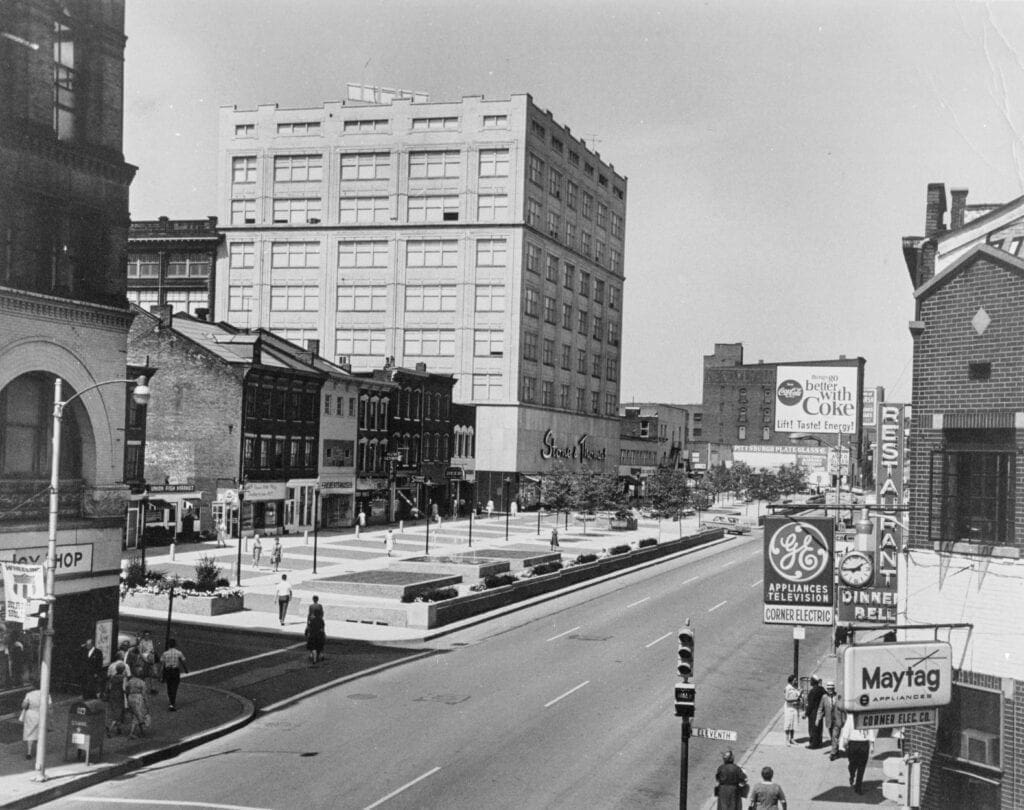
<point>87,726</point>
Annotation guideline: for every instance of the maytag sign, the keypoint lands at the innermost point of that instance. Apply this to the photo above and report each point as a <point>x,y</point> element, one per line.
<point>897,678</point>
<point>817,399</point>
<point>798,575</point>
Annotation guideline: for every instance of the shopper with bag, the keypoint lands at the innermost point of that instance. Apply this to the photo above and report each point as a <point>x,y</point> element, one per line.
<point>731,784</point>
<point>138,704</point>
<point>30,707</point>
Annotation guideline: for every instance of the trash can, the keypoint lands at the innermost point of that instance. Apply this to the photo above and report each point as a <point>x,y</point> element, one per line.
<point>87,726</point>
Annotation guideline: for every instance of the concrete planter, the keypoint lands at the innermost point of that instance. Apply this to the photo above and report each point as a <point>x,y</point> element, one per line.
<point>193,605</point>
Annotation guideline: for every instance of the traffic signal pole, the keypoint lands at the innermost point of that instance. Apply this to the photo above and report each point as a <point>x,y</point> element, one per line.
<point>684,761</point>
<point>685,701</point>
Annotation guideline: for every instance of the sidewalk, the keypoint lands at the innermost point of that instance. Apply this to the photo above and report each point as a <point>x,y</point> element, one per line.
<point>203,713</point>
<point>808,777</point>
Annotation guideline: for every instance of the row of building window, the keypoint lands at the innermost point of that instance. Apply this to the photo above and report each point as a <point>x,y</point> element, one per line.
<point>278,453</point>
<point>609,366</point>
<point>581,403</point>
<point>537,129</point>
<point>179,265</point>
<point>307,128</point>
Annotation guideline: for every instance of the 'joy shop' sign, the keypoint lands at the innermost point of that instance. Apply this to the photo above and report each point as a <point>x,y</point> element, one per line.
<point>816,399</point>
<point>581,451</point>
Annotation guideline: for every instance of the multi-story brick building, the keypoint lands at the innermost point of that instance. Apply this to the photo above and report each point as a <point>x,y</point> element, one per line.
<point>478,236</point>
<point>63,229</point>
<point>962,562</point>
<point>171,261</point>
<point>652,436</point>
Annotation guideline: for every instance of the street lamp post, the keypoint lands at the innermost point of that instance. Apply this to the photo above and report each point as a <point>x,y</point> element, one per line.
<point>141,395</point>
<point>426,512</point>
<point>508,480</point>
<point>241,509</point>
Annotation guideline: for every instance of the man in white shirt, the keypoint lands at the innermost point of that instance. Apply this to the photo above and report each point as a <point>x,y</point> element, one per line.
<point>858,744</point>
<point>284,596</point>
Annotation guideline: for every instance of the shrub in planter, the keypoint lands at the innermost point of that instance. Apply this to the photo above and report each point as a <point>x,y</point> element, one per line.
<point>436,595</point>
<point>223,583</point>
<point>497,580</point>
<point>154,576</point>
<point>619,550</point>
<point>135,574</point>
<point>545,568</point>
<point>188,585</point>
<point>647,541</point>
<point>586,558</point>
<point>207,573</point>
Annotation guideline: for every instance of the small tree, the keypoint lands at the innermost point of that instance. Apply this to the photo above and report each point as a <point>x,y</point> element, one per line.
<point>558,490</point>
<point>740,477</point>
<point>595,491</point>
<point>763,485</point>
<point>792,478</point>
<point>668,491</point>
<point>207,573</point>
<point>702,497</point>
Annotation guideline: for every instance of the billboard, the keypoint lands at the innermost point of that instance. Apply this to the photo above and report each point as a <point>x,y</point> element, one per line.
<point>798,575</point>
<point>816,399</point>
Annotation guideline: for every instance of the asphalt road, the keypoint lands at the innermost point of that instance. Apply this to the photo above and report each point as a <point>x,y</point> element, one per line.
<point>564,705</point>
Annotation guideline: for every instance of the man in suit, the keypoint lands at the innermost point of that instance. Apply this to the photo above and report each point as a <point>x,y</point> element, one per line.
<point>831,717</point>
<point>92,670</point>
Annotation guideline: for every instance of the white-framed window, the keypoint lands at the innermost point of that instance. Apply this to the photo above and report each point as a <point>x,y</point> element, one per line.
<point>566,316</point>
<point>433,208</point>
<point>298,168</point>
<point>434,164</point>
<point>243,169</point>
<point>547,392</point>
<point>529,346</point>
<point>554,223</point>
<point>366,166</point>
<point>572,194</point>
<point>488,387</point>
<point>551,269</point>
<point>298,335</point>
<point>581,399</point>
<point>436,122</point>
<point>588,205</point>
<point>362,297</point>
<point>614,298</point>
<point>186,300</point>
<point>529,388</point>
<point>598,332</point>
<point>563,396</point>
<point>612,371</point>
<point>295,255</point>
<point>495,121</point>
<point>570,234</point>
<point>602,215</point>
<point>595,401</point>
<point>555,184</point>
<point>430,342</point>
<point>616,263</point>
<point>241,255</point>
<point>299,128</point>
<point>245,130</point>
<point>494,162</point>
<point>144,265</point>
<point>361,342</point>
<point>243,212</point>
<point>430,298</point>
<point>547,353</point>
<point>491,253</point>
<point>533,257</point>
<point>599,251</point>
<point>566,357</point>
<point>186,265</point>
<point>490,298</point>
<point>366,125</point>
<point>297,210</point>
<point>421,253</point>
<point>535,170</point>
<point>550,306</point>
<point>585,243</point>
<point>363,253</point>
<point>611,407</point>
<point>492,207</point>
<point>144,298</point>
<point>616,225</point>
<point>488,343</point>
<point>294,298</point>
<point>352,210</point>
<point>531,302</point>
<point>240,298</point>
<point>533,213</point>
<point>613,333</point>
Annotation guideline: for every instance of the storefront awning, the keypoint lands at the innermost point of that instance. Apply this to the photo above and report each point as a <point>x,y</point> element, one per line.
<point>536,479</point>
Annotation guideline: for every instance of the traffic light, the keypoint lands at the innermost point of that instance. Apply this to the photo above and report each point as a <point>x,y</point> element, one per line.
<point>903,780</point>
<point>37,615</point>
<point>684,665</point>
<point>686,699</point>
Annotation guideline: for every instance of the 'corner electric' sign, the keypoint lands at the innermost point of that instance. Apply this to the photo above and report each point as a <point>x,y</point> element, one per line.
<point>897,677</point>
<point>798,571</point>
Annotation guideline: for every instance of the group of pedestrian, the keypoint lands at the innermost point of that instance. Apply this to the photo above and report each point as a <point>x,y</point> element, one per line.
<point>732,787</point>
<point>276,552</point>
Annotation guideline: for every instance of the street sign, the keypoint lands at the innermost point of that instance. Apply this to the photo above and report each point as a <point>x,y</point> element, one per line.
<point>715,734</point>
<point>394,456</point>
<point>454,473</point>
<point>915,717</point>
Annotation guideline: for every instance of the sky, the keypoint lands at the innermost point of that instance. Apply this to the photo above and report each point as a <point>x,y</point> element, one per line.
<point>776,152</point>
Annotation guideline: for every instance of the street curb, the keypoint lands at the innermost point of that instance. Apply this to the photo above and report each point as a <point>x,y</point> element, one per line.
<point>104,774</point>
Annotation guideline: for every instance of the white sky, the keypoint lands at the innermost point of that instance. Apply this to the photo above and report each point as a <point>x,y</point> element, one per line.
<point>775,152</point>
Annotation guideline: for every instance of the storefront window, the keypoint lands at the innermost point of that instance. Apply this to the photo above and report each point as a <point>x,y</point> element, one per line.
<point>969,739</point>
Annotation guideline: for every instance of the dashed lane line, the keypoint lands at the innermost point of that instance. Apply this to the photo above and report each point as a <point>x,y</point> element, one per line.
<point>135,802</point>
<point>639,602</point>
<point>660,638</point>
<point>716,607</point>
<point>406,786</point>
<point>756,582</point>
<point>289,648</point>
<point>551,703</point>
<point>564,634</point>
<point>691,579</point>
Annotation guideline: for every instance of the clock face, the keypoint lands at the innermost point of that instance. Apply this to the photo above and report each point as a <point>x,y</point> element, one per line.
<point>856,569</point>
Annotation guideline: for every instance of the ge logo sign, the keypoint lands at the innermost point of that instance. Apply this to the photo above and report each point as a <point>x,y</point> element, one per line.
<point>798,552</point>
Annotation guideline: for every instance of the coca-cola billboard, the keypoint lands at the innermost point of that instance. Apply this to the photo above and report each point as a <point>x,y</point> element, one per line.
<point>816,399</point>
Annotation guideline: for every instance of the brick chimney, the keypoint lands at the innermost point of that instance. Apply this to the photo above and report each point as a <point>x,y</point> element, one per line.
<point>926,269</point>
<point>935,209</point>
<point>958,203</point>
<point>313,346</point>
<point>164,312</point>
<point>421,367</point>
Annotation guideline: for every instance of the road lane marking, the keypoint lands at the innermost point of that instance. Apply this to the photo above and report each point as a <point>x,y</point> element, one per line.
<point>756,583</point>
<point>551,703</point>
<point>175,803</point>
<point>640,602</point>
<point>564,634</point>
<point>716,607</point>
<point>727,564</point>
<point>195,672</point>
<point>661,638</point>
<point>406,786</point>
<point>755,553</point>
<point>691,579</point>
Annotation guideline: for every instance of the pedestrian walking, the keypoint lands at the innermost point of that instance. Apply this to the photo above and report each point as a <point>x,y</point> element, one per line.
<point>257,550</point>
<point>138,704</point>
<point>389,542</point>
<point>859,744</point>
<point>360,522</point>
<point>514,508</point>
<point>490,508</point>
<point>222,533</point>
<point>792,706</point>
<point>730,783</point>
<point>832,716</point>
<point>117,677</point>
<point>30,710</point>
<point>315,632</point>
<point>148,649</point>
<point>316,609</point>
<point>814,696</point>
<point>284,596</point>
<point>173,662</point>
<point>767,795</point>
<point>93,672</point>
<point>554,538</point>
<point>276,553</point>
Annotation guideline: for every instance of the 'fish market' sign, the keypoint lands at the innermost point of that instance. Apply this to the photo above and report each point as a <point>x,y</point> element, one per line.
<point>581,451</point>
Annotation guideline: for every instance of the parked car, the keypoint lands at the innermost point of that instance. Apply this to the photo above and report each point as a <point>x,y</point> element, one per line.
<point>622,521</point>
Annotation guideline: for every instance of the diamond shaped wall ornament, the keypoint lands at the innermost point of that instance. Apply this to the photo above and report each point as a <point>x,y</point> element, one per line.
<point>980,321</point>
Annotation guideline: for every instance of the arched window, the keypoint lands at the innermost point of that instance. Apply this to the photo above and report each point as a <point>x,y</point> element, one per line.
<point>363,400</point>
<point>414,450</point>
<point>444,448</point>
<point>427,407</point>
<point>374,413</point>
<point>438,413</point>
<point>362,456</point>
<point>428,448</point>
<point>408,403</point>
<point>384,404</point>
<point>471,444</point>
<point>26,429</point>
<point>415,403</point>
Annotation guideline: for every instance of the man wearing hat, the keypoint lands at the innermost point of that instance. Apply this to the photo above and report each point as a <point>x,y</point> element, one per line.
<point>831,717</point>
<point>814,696</point>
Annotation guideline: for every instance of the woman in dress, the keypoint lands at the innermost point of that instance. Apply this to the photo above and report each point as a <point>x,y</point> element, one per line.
<point>315,636</point>
<point>30,720</point>
<point>117,676</point>
<point>791,708</point>
<point>730,782</point>
<point>138,703</point>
